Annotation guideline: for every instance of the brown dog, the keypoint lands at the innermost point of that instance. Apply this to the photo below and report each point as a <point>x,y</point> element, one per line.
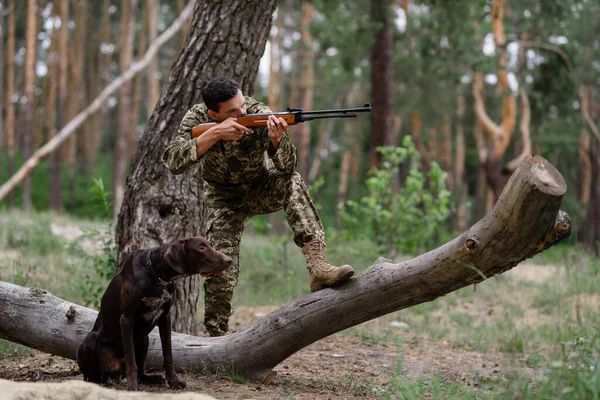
<point>137,299</point>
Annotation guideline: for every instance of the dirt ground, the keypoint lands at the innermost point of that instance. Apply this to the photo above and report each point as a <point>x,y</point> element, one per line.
<point>338,367</point>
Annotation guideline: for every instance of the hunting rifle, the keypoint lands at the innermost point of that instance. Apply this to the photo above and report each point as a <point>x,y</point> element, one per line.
<point>293,116</point>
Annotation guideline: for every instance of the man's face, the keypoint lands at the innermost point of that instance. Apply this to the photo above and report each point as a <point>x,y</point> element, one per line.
<point>233,108</point>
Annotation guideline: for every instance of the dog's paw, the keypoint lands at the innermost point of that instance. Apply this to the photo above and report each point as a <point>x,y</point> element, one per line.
<point>151,380</point>
<point>177,385</point>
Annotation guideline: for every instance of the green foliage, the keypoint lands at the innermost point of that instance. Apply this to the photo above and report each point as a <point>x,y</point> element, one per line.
<point>404,222</point>
<point>574,377</point>
<point>103,264</point>
<point>400,387</point>
<point>76,196</point>
<point>232,374</point>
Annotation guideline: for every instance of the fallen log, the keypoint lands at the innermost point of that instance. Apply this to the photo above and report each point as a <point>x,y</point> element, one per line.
<point>525,221</point>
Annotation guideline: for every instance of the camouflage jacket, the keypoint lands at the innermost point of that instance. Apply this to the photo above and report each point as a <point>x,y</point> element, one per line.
<point>229,163</point>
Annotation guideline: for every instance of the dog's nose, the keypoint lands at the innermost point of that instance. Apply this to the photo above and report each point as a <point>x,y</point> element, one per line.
<point>227,261</point>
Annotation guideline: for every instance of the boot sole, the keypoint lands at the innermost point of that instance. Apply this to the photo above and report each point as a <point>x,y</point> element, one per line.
<point>342,278</point>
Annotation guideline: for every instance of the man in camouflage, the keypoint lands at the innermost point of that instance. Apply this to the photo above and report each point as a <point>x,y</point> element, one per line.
<point>246,172</point>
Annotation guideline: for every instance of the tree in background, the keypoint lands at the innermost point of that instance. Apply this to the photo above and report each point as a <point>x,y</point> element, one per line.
<point>128,8</point>
<point>382,81</point>
<point>30,78</point>
<point>2,69</point>
<point>10,90</point>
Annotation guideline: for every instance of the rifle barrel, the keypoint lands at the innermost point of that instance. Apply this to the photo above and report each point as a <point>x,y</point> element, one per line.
<point>341,115</point>
<point>337,112</point>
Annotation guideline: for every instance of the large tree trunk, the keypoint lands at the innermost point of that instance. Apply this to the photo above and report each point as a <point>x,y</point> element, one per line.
<point>158,206</point>
<point>525,220</point>
<point>382,78</point>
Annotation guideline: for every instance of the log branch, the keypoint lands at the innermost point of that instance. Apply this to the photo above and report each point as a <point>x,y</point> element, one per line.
<point>524,221</point>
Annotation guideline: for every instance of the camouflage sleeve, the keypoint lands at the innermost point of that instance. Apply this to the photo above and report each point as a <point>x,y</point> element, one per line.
<point>181,152</point>
<point>284,157</point>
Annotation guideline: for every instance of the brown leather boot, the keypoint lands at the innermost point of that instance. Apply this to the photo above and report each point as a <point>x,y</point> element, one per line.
<point>321,273</point>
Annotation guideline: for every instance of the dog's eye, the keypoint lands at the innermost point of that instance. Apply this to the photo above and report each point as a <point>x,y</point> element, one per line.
<point>202,247</point>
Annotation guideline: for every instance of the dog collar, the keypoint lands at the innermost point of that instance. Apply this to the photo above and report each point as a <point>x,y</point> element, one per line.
<point>157,280</point>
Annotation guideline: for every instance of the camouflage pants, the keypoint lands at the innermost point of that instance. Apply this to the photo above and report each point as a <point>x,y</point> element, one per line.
<point>229,210</point>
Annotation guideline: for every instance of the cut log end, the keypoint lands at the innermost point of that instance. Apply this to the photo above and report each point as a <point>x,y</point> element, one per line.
<point>544,175</point>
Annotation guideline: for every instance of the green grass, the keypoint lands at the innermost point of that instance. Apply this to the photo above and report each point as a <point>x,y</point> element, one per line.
<point>10,349</point>
<point>400,387</point>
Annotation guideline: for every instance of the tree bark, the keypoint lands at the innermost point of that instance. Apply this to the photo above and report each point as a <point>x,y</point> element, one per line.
<point>525,221</point>
<point>158,206</point>
<point>382,78</point>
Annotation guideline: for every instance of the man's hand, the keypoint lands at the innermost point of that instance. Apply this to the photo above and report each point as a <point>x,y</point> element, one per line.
<point>277,128</point>
<point>230,130</point>
<point>227,130</point>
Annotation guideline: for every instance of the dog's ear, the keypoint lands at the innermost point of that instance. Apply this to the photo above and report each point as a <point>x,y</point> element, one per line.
<point>176,257</point>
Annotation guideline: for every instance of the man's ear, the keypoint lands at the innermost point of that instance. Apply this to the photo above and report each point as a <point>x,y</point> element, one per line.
<point>212,114</point>
<point>176,257</point>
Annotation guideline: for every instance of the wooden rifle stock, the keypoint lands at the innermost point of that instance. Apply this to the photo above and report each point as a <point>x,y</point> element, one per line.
<point>293,116</point>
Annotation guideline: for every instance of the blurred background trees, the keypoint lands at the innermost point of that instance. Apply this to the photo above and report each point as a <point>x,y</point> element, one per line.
<point>476,85</point>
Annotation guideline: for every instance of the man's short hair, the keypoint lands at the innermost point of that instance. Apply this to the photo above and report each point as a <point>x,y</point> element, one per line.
<point>218,91</point>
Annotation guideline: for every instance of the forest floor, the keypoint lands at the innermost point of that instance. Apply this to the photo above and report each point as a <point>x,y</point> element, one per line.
<point>341,366</point>
<point>338,367</point>
<point>486,341</point>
